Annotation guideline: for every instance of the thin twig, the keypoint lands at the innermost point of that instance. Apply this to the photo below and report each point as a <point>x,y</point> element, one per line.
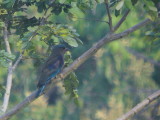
<point>10,71</point>
<point>109,15</point>
<point>106,39</point>
<point>140,106</point>
<point>17,62</point>
<point>121,21</point>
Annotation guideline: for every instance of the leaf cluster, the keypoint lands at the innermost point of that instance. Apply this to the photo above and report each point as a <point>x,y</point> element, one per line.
<point>5,58</point>
<point>71,82</point>
<point>35,36</point>
<point>148,5</point>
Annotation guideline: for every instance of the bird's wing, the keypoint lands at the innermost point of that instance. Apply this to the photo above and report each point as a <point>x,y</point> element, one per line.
<point>50,69</point>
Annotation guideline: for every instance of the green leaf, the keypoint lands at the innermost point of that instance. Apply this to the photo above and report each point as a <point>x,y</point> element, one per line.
<point>27,36</point>
<point>2,88</point>
<point>24,45</point>
<point>112,3</point>
<point>9,3</point>
<point>152,8</point>
<point>72,16</point>
<point>149,33</point>
<point>71,84</point>
<point>79,41</point>
<point>57,8</point>
<point>134,2</point>
<point>128,4</point>
<point>33,29</point>
<point>83,6</point>
<point>71,41</point>
<point>117,13</point>
<point>76,101</point>
<point>152,15</point>
<point>45,29</point>
<point>7,55</point>
<point>5,58</point>
<point>150,5</point>
<point>3,12</point>
<point>4,63</point>
<point>120,5</point>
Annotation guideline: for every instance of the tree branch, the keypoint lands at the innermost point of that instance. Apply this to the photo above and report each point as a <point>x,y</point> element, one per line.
<point>75,65</point>
<point>140,106</point>
<point>109,15</point>
<point>17,62</point>
<point>10,71</point>
<point>121,21</point>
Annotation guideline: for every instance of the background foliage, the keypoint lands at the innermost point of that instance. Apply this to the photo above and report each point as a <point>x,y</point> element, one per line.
<point>110,83</point>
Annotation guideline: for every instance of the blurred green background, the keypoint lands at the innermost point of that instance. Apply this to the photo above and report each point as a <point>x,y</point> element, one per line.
<point>110,83</point>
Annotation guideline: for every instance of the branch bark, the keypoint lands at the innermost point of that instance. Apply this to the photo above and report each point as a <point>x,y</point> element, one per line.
<point>140,106</point>
<point>10,71</point>
<point>106,39</point>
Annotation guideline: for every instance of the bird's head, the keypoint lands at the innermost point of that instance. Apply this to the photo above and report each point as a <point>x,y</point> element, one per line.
<point>62,49</point>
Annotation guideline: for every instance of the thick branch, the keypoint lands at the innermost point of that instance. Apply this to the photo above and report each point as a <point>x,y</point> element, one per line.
<point>75,65</point>
<point>121,21</point>
<point>109,15</point>
<point>140,106</point>
<point>9,75</point>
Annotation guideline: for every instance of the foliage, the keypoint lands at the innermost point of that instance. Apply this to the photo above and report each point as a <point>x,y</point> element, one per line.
<point>35,31</point>
<point>148,5</point>
<point>5,57</point>
<point>71,83</point>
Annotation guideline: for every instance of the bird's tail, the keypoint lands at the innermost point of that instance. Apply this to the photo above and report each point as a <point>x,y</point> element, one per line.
<point>40,90</point>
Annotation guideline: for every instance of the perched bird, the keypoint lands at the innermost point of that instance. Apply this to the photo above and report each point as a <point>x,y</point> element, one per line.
<point>51,67</point>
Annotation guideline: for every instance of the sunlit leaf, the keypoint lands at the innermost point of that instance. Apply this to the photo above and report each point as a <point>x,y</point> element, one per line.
<point>72,16</point>
<point>153,8</point>
<point>3,11</point>
<point>120,5</point>
<point>72,42</point>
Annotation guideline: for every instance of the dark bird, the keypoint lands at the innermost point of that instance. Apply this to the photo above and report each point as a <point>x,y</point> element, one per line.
<point>51,67</point>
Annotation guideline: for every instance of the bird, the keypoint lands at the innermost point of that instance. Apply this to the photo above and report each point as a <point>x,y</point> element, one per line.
<point>51,67</point>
